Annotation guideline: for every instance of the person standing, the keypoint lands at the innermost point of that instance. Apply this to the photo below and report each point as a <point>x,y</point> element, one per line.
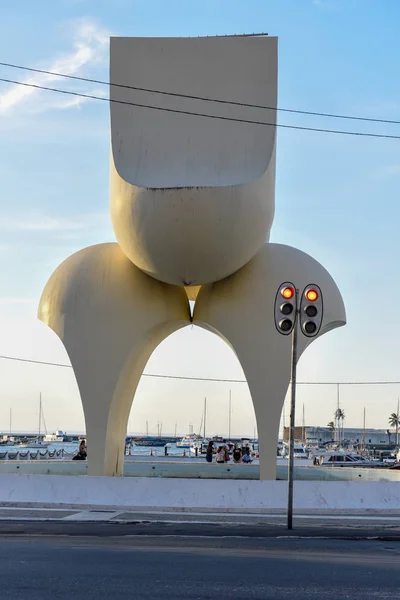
<point>226,446</point>
<point>220,456</point>
<point>210,451</point>
<point>237,454</point>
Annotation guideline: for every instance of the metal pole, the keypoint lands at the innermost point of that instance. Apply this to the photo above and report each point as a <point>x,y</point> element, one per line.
<point>40,413</point>
<point>337,412</point>
<point>205,416</point>
<point>284,419</point>
<point>230,408</point>
<point>364,431</point>
<point>292,417</point>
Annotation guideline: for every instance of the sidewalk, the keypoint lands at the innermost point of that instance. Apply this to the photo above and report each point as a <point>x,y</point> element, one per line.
<point>167,523</point>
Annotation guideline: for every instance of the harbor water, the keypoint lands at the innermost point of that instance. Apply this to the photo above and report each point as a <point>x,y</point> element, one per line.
<point>139,453</point>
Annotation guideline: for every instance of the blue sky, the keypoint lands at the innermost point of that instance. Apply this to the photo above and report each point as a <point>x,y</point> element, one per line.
<point>336,196</point>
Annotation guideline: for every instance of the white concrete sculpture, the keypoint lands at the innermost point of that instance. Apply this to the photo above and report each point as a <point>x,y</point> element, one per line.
<point>192,203</point>
<point>206,185</point>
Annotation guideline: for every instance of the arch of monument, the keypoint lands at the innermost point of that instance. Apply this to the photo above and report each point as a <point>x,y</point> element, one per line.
<point>192,193</point>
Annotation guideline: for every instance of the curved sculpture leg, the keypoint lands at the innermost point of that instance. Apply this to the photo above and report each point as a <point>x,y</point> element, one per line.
<point>110,317</point>
<point>240,309</point>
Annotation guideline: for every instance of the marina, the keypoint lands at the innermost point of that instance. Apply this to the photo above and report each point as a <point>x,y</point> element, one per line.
<point>173,461</point>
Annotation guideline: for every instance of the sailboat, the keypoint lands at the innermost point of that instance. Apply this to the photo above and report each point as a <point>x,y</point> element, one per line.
<point>199,445</point>
<point>152,440</point>
<point>37,443</point>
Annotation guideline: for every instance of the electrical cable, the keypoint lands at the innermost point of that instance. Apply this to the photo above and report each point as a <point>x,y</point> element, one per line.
<point>203,98</point>
<point>211,379</point>
<point>195,114</point>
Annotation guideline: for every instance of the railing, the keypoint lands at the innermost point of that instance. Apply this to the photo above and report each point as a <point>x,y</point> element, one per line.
<point>35,455</point>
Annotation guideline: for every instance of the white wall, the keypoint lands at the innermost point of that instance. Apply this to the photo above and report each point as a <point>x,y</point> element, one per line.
<point>185,493</point>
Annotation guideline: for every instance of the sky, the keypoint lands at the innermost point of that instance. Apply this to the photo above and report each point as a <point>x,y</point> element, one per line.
<point>336,198</point>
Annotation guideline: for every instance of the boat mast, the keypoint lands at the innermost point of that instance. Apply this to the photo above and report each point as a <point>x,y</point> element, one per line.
<point>201,423</point>
<point>147,429</point>
<point>10,420</point>
<point>284,419</point>
<point>205,416</point>
<point>230,413</point>
<point>40,412</point>
<point>364,431</point>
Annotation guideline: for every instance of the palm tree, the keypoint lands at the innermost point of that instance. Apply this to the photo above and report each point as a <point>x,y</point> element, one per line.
<point>339,416</point>
<point>342,417</point>
<point>331,426</point>
<point>394,421</point>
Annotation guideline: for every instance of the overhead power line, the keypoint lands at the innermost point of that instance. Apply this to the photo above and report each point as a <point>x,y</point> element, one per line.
<point>196,114</point>
<point>211,379</point>
<point>203,98</point>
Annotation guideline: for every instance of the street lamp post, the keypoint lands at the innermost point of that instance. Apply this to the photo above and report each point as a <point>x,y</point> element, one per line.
<point>292,310</point>
<point>292,416</point>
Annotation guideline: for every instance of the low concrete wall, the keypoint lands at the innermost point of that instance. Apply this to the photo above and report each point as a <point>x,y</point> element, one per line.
<point>189,494</point>
<point>312,473</point>
<point>138,469</point>
<point>202,470</point>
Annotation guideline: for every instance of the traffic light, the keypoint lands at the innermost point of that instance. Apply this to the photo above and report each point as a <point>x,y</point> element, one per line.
<point>285,308</point>
<point>311,311</point>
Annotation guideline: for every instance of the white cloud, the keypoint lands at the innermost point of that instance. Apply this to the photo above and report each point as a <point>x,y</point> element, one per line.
<point>63,102</point>
<point>90,46</point>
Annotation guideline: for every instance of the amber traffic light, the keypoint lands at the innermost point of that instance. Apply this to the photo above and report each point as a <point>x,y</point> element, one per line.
<point>287,292</point>
<point>285,308</point>
<point>312,295</point>
<point>311,311</point>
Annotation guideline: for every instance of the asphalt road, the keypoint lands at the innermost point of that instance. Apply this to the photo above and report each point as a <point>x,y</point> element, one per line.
<point>61,568</point>
<point>168,526</point>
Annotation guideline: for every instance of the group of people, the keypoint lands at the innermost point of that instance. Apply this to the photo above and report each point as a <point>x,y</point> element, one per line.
<point>222,453</point>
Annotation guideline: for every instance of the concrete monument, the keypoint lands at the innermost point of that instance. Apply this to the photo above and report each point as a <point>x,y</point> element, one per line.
<point>192,203</point>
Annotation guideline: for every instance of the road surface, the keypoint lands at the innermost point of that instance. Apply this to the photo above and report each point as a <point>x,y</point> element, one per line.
<point>173,567</point>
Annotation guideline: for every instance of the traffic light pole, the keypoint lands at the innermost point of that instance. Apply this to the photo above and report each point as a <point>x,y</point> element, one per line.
<point>292,415</point>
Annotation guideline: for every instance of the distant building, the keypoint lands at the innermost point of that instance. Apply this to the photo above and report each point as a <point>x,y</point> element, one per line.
<point>374,438</point>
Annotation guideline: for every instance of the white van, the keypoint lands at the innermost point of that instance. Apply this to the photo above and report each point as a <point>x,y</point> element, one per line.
<point>299,452</point>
